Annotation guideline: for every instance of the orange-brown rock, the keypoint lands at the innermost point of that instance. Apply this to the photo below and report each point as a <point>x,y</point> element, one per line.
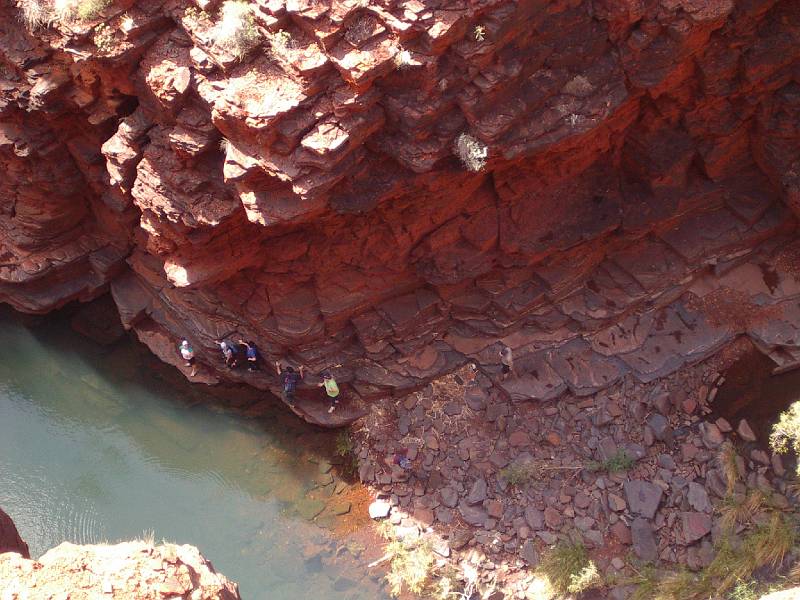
<point>308,196</point>
<point>126,570</point>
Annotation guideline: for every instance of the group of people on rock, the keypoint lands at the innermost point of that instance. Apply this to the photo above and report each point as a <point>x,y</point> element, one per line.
<point>246,352</point>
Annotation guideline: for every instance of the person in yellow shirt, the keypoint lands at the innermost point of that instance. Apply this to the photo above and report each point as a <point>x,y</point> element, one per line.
<point>331,389</point>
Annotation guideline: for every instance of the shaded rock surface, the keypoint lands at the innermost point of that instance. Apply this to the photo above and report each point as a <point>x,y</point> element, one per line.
<point>10,541</point>
<point>126,570</point>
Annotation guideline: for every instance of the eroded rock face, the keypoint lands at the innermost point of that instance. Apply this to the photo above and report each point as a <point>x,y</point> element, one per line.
<point>308,196</point>
<point>126,570</point>
<point>9,537</point>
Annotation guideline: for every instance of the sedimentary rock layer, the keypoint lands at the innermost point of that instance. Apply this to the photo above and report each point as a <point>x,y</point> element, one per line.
<point>309,195</point>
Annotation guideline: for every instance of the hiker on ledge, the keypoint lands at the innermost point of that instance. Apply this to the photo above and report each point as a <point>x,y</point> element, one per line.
<point>251,351</point>
<point>506,363</point>
<point>187,352</point>
<point>331,389</point>
<point>289,380</point>
<point>229,351</point>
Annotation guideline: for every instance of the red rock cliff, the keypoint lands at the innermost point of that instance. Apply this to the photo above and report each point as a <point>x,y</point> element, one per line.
<point>309,194</point>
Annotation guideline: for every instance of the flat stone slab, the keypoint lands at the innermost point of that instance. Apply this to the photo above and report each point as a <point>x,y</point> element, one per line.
<point>540,382</point>
<point>643,497</point>
<point>694,526</point>
<point>644,540</point>
<point>585,371</point>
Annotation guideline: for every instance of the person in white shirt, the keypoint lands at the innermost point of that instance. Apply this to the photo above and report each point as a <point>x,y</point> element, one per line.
<point>187,352</point>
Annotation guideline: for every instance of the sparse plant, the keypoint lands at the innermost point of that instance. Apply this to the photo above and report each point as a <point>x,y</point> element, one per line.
<point>727,462</point>
<point>195,15</point>
<point>479,32</point>
<point>617,463</point>
<point>785,434</point>
<point>35,13</point>
<point>744,591</point>
<point>568,570</point>
<point>103,38</point>
<point>280,42</point>
<point>236,31</point>
<point>410,567</point>
<point>519,474</point>
<point>127,23</point>
<point>402,58</point>
<point>90,9</point>
<point>733,511</point>
<point>471,152</point>
<point>344,443</point>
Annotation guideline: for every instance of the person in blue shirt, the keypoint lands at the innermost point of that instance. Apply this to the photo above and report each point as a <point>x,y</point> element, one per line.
<point>252,354</point>
<point>289,379</point>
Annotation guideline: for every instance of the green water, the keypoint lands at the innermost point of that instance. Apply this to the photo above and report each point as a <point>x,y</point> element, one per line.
<point>100,444</point>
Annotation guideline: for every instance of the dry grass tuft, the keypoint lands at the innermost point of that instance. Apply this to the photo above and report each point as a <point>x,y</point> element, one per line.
<point>236,31</point>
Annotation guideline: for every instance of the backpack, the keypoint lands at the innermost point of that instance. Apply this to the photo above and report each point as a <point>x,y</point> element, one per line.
<point>289,383</point>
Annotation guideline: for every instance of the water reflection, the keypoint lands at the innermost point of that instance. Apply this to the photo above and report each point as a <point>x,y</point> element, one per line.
<point>103,443</point>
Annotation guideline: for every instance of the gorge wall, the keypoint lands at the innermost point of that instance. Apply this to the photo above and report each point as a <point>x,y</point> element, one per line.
<point>309,196</point>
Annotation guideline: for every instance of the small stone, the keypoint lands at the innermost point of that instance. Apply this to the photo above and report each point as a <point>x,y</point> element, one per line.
<point>712,436</point>
<point>475,398</point>
<point>698,498</point>
<point>529,553</point>
<point>662,403</point>
<point>723,425</point>
<point>745,431</point>
<point>644,540</point>
<point>432,442</point>
<point>660,426</point>
<point>518,439</point>
<point>643,497</point>
<point>534,518</point>
<point>760,456</point>
<point>449,497</point>
<point>341,508</point>
<point>695,525</point>
<point>648,437</point>
<point>379,509</point>
<point>689,405</point>
<point>582,500</point>
<point>552,517</point>
<point>460,538</point>
<point>665,461</point>
<point>424,515</point>
<point>777,465</point>
<point>474,515</point>
<point>621,532</point>
<point>688,452</point>
<point>617,563</point>
<point>441,547</point>
<point>553,438</point>
<point>616,503</point>
<point>494,508</point>
<point>478,492</point>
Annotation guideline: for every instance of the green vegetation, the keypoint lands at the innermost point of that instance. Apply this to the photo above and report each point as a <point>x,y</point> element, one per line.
<point>90,9</point>
<point>785,434</point>
<point>727,462</point>
<point>236,31</point>
<point>616,464</point>
<point>568,570</point>
<point>471,152</point>
<point>345,448</point>
<point>519,474</point>
<point>411,566</point>
<point>344,443</point>
<point>765,546</point>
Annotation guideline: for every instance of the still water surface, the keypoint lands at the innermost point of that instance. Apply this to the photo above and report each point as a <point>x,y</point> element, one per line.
<point>100,444</point>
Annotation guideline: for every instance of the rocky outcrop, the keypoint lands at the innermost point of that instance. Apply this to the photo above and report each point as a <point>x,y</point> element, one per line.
<point>310,195</point>
<point>9,537</point>
<point>127,570</point>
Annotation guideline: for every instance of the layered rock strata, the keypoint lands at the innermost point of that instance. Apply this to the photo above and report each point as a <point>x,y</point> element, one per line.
<point>127,570</point>
<point>309,195</point>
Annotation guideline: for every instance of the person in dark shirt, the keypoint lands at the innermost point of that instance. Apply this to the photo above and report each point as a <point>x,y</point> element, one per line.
<point>289,379</point>
<point>251,353</point>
